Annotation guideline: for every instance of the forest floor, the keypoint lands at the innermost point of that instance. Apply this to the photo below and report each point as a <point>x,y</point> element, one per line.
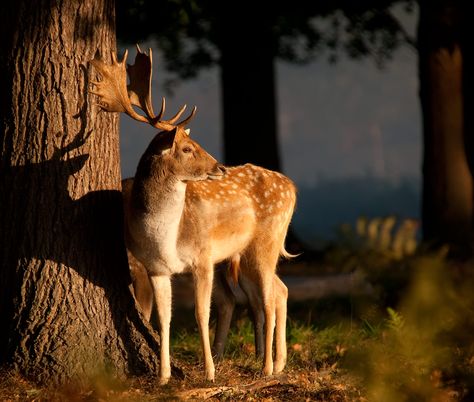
<point>234,383</point>
<point>306,378</point>
<point>369,329</point>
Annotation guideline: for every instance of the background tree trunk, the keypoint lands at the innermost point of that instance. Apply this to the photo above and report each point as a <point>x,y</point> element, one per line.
<point>66,310</point>
<point>248,86</point>
<point>467,48</point>
<point>447,181</point>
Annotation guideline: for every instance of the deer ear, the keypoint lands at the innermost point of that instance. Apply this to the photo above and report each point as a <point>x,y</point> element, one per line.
<point>187,131</point>
<point>166,141</point>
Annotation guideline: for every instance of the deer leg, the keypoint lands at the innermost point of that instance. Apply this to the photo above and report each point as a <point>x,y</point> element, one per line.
<point>202,292</point>
<point>281,297</point>
<point>224,301</point>
<point>142,288</point>
<point>162,292</point>
<point>252,292</point>
<point>268,299</point>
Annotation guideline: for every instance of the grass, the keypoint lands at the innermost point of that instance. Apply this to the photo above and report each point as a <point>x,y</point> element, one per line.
<point>312,372</point>
<point>410,341</point>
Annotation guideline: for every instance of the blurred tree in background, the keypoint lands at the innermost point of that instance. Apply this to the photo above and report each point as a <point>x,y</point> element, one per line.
<point>445,51</point>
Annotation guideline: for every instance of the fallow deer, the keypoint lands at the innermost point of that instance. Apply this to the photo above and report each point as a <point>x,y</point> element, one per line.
<point>186,212</point>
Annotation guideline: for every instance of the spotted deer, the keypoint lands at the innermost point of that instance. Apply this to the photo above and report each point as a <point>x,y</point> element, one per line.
<point>185,212</point>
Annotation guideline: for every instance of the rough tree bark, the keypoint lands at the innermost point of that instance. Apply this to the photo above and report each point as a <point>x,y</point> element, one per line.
<point>66,310</point>
<point>447,180</point>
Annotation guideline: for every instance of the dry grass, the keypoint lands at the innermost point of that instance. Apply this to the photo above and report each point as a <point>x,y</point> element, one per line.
<point>237,375</point>
<point>234,382</point>
<point>417,347</point>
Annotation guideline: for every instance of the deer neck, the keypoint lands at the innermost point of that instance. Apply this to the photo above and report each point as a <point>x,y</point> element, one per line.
<point>156,189</point>
<point>158,201</point>
<point>161,199</point>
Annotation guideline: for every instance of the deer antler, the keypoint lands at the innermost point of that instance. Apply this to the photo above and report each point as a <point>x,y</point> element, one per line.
<point>139,89</point>
<point>114,96</point>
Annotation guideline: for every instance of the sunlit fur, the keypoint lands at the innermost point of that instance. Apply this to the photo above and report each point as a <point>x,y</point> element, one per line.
<point>178,220</point>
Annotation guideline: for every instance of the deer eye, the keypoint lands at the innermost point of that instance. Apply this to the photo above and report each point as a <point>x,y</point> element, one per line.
<point>187,150</point>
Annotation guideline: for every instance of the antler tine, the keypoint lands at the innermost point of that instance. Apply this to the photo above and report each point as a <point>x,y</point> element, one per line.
<point>163,107</point>
<point>114,56</point>
<point>178,115</point>
<point>187,119</point>
<point>175,118</point>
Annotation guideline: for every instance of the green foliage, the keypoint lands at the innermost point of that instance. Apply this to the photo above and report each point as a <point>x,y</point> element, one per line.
<point>241,339</point>
<point>369,329</point>
<point>185,344</point>
<point>416,332</point>
<point>424,351</point>
<point>190,32</point>
<point>395,321</point>
<point>324,348</point>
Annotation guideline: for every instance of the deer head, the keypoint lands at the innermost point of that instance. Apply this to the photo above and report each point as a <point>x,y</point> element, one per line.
<point>174,154</point>
<point>171,150</point>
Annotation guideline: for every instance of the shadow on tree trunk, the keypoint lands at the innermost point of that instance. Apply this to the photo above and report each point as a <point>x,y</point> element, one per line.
<point>65,276</point>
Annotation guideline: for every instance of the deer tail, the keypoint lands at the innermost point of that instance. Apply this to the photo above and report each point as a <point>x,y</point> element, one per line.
<point>286,254</point>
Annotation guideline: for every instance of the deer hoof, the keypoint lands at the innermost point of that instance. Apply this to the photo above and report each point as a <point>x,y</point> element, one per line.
<point>210,375</point>
<point>267,371</point>
<point>164,379</point>
<point>279,366</point>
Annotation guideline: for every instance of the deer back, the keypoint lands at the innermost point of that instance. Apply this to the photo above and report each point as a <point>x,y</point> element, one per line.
<point>249,207</point>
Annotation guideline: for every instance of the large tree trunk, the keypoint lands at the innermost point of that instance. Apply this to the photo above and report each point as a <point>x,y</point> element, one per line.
<point>66,310</point>
<point>447,180</point>
<point>248,86</point>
